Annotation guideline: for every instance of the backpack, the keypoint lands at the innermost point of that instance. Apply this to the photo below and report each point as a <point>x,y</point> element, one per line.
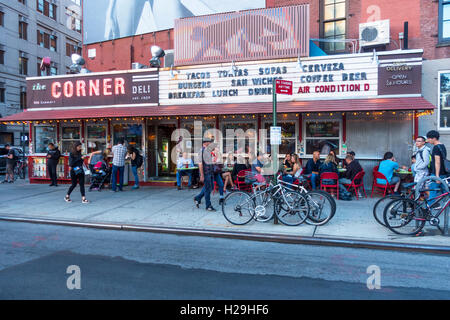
<point>139,160</point>
<point>420,152</point>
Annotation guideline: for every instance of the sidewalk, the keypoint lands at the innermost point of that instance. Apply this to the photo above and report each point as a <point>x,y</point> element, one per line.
<point>169,207</point>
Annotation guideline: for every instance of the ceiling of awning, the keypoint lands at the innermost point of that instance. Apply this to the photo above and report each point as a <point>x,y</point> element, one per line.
<point>348,105</point>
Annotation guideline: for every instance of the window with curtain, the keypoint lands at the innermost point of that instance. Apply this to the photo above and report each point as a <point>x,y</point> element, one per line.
<point>334,13</point>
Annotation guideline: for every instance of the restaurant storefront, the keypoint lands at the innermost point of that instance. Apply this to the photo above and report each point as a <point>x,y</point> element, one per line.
<point>340,103</point>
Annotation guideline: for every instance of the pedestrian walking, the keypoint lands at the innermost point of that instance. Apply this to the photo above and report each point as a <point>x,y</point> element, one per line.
<point>53,155</point>
<point>76,166</point>
<point>119,153</point>
<point>206,170</point>
<point>136,163</point>
<point>11,159</point>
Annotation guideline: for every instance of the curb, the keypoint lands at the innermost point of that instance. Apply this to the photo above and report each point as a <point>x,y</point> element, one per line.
<point>264,237</point>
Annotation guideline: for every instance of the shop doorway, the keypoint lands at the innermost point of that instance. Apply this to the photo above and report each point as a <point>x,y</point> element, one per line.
<point>160,146</point>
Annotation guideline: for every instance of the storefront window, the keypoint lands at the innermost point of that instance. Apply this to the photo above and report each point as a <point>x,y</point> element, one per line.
<point>131,133</point>
<point>43,135</point>
<point>250,137</point>
<point>323,136</point>
<point>196,140</point>
<point>96,137</point>
<point>444,100</point>
<point>69,136</point>
<point>288,137</point>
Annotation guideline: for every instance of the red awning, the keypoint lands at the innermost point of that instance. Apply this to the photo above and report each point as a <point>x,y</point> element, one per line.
<point>350,105</point>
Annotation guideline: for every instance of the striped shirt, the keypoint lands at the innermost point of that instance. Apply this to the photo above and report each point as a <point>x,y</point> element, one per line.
<point>119,152</point>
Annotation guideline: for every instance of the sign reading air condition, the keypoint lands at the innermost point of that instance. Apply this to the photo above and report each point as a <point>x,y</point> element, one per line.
<point>94,89</point>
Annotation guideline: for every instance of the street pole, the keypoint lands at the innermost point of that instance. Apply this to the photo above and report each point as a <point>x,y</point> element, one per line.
<point>274,148</point>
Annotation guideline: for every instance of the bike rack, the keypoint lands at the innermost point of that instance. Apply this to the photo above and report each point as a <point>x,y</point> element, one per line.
<point>446,189</point>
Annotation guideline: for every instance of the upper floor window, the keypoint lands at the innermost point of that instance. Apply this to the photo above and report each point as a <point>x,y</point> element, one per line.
<point>73,20</point>
<point>22,2</point>
<point>46,8</point>
<point>2,56</point>
<point>23,28</point>
<point>444,21</point>
<point>46,40</point>
<point>71,49</point>
<point>23,64</point>
<point>2,95</point>
<point>333,25</point>
<point>2,19</point>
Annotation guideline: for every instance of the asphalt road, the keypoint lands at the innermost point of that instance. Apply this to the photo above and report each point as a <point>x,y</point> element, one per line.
<point>134,265</point>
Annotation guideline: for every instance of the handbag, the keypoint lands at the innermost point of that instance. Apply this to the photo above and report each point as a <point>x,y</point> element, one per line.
<point>86,170</point>
<point>77,170</point>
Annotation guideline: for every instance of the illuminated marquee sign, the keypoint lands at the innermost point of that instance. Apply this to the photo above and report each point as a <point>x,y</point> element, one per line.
<point>343,77</point>
<point>94,89</point>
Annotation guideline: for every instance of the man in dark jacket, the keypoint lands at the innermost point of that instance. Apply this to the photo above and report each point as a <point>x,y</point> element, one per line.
<point>353,168</point>
<point>53,156</point>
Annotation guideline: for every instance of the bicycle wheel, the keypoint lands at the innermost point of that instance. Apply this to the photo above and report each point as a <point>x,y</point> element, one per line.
<point>292,209</point>
<point>404,216</point>
<point>380,205</point>
<point>22,172</point>
<point>238,207</point>
<point>264,206</point>
<point>322,207</point>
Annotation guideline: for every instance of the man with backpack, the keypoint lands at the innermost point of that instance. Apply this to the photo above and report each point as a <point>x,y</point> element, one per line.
<point>438,159</point>
<point>422,156</point>
<point>11,159</point>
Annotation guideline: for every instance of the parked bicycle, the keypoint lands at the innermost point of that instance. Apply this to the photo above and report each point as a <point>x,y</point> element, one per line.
<point>20,169</point>
<point>407,216</point>
<point>380,205</point>
<point>266,200</point>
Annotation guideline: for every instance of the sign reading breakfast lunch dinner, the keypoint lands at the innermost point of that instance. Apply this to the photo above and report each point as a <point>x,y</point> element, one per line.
<point>246,82</point>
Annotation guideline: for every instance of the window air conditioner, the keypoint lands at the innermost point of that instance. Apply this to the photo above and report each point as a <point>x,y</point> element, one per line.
<point>374,33</point>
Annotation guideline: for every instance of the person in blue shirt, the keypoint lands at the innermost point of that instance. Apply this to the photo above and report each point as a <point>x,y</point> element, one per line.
<point>387,167</point>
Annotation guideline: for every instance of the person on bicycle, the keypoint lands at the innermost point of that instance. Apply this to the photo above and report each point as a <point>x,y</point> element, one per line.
<point>53,156</point>
<point>10,164</point>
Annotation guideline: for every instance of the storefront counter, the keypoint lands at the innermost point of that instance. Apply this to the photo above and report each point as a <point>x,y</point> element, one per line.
<point>37,169</point>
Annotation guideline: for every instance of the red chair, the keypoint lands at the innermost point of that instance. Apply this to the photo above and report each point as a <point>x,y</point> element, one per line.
<point>359,176</point>
<point>375,169</point>
<point>240,181</point>
<point>384,186</point>
<point>330,176</point>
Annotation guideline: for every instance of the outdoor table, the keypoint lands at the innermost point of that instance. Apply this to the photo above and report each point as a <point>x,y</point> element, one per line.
<point>227,169</point>
<point>405,175</point>
<point>341,172</point>
<point>185,169</point>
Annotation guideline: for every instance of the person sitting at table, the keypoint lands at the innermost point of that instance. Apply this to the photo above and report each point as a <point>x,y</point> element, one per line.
<point>330,166</point>
<point>336,160</point>
<point>388,167</point>
<point>293,175</point>
<point>352,169</point>
<point>257,167</point>
<point>240,164</point>
<point>227,176</point>
<point>288,162</point>
<point>184,162</point>
<point>311,171</point>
